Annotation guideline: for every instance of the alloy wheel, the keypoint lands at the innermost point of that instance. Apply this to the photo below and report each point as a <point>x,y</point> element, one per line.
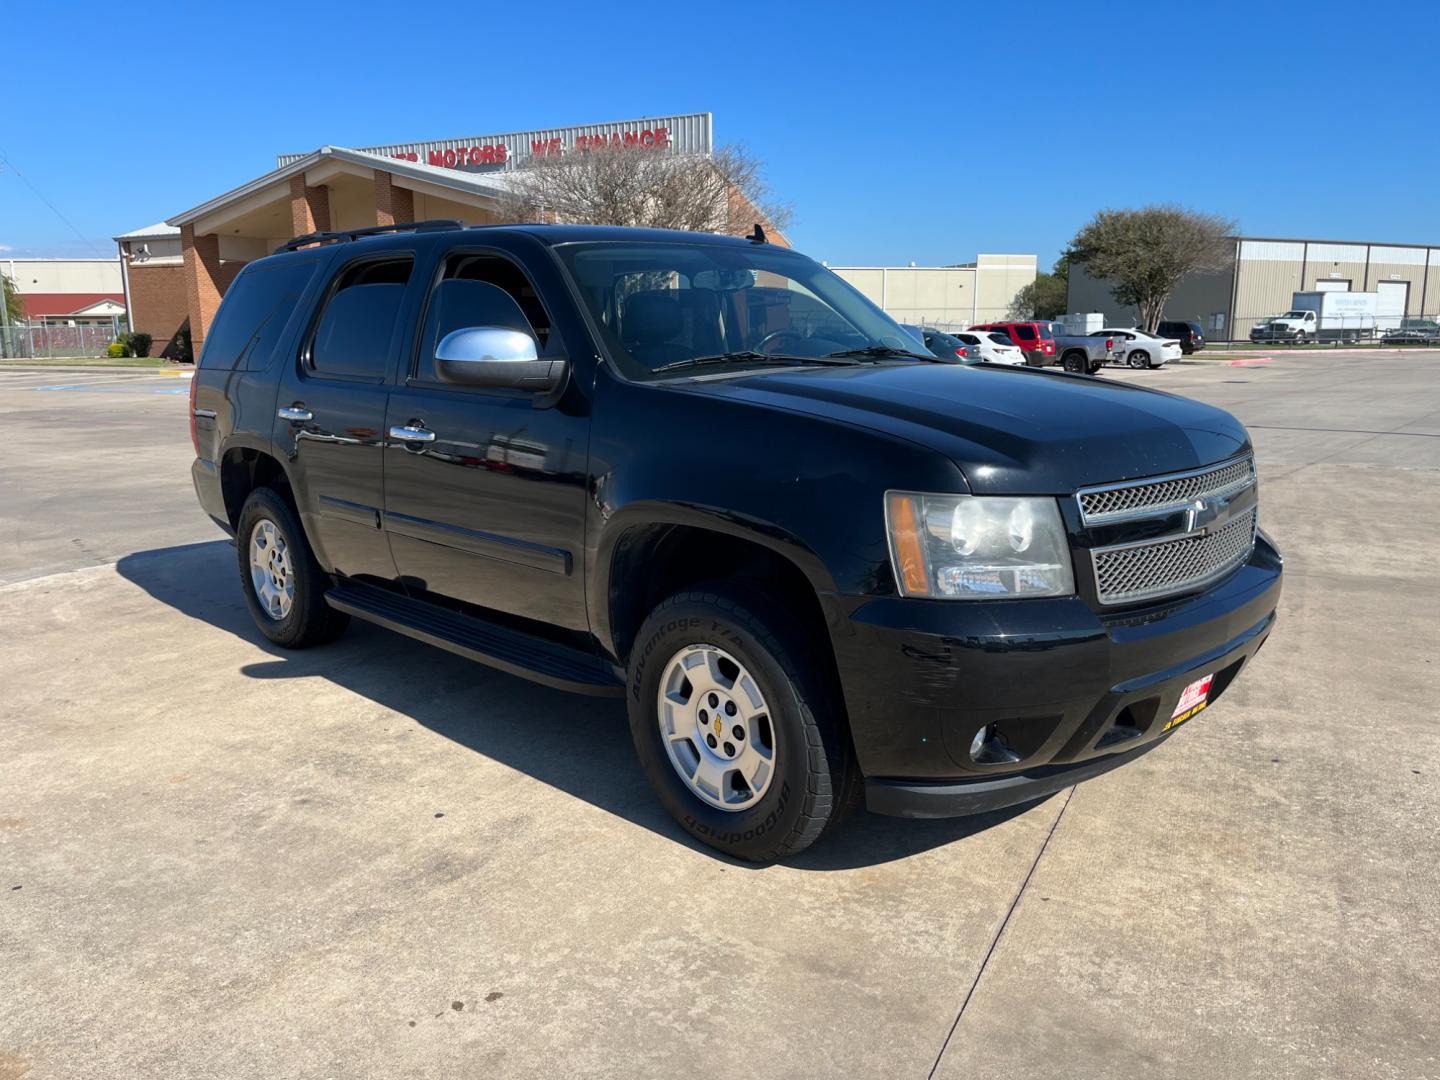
<point>271,573</point>
<point>715,724</point>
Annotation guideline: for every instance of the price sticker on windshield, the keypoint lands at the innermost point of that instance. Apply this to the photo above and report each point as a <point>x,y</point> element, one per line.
<point>1194,698</point>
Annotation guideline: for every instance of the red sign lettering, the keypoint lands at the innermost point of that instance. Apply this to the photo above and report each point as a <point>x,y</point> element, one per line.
<point>499,153</point>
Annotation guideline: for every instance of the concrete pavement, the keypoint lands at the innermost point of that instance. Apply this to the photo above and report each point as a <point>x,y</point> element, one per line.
<point>376,859</point>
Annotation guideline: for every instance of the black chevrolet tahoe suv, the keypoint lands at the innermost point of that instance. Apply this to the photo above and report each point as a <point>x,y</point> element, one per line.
<point>705,474</point>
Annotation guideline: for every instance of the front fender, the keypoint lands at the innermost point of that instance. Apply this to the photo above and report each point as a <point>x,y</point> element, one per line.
<point>811,489</point>
<point>648,513</point>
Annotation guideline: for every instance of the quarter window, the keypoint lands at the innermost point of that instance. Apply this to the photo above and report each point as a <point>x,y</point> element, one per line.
<point>256,309</point>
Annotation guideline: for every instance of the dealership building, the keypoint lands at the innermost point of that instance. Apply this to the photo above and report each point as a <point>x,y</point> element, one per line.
<point>1261,274</point>
<point>177,270</point>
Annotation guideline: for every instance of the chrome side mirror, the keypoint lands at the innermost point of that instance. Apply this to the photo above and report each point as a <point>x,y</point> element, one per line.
<point>497,358</point>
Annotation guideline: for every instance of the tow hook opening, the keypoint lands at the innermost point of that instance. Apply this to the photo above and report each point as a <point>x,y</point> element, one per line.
<point>1131,722</point>
<point>988,747</point>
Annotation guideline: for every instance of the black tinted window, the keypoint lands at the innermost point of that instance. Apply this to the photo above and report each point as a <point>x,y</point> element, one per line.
<point>1023,332</point>
<point>355,332</point>
<point>479,290</point>
<point>253,314</point>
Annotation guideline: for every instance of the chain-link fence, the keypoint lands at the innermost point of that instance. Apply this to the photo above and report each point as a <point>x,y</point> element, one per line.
<point>46,342</point>
<point>1283,329</point>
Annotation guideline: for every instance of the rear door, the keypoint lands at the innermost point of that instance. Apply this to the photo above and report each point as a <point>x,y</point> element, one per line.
<point>330,413</point>
<point>491,511</point>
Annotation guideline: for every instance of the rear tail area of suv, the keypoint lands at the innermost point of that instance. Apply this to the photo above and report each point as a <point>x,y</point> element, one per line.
<point>1034,339</point>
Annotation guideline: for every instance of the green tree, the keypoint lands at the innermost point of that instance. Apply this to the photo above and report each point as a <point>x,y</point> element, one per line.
<point>1043,298</point>
<point>1145,253</point>
<point>14,306</point>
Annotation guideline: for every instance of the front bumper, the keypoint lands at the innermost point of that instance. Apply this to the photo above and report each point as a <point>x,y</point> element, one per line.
<point>1072,692</point>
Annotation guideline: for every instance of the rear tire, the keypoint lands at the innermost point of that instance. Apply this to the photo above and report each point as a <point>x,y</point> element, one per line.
<point>1138,359</point>
<point>283,584</point>
<point>712,653</point>
<point>1075,363</point>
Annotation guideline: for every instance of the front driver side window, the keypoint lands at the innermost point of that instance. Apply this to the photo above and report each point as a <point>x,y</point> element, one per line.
<point>478,290</point>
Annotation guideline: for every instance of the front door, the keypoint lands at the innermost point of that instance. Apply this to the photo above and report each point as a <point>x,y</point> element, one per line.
<point>331,415</point>
<point>490,510</point>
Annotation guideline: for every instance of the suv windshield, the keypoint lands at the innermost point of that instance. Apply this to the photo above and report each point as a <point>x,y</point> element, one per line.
<point>659,305</point>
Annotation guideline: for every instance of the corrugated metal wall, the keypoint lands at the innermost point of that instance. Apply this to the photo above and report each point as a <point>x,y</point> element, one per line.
<point>688,133</point>
<point>1335,262</point>
<point>1398,264</point>
<point>1269,272</point>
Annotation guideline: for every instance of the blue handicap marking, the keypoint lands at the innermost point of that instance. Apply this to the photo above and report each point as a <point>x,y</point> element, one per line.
<point>87,389</point>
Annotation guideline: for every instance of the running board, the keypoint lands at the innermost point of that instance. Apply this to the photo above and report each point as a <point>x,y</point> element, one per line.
<point>514,651</point>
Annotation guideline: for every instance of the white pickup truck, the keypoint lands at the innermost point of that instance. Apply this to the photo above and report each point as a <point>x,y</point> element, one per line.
<point>1323,316</point>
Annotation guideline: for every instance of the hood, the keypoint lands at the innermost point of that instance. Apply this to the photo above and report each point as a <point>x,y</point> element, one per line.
<point>1009,430</point>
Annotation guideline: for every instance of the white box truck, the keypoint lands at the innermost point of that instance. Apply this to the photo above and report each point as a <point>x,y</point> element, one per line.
<point>1323,316</point>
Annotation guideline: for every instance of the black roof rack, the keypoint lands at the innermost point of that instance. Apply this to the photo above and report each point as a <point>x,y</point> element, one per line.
<point>434,225</point>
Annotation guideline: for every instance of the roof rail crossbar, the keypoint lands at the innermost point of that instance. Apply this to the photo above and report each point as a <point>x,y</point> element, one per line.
<point>433,225</point>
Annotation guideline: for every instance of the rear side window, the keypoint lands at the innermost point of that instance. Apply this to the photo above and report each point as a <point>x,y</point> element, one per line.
<point>1001,339</point>
<point>354,337</point>
<point>1023,332</point>
<point>256,309</point>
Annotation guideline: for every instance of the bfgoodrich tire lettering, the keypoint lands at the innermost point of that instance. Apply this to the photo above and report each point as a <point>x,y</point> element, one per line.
<point>814,776</point>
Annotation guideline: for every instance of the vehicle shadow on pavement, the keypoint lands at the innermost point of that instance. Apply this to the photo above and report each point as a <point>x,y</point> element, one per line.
<point>526,726</point>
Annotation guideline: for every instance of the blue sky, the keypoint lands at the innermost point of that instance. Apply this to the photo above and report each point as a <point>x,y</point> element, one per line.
<point>900,131</point>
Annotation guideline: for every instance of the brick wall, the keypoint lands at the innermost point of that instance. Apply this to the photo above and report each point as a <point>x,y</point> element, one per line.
<point>392,204</point>
<point>157,302</point>
<point>309,207</point>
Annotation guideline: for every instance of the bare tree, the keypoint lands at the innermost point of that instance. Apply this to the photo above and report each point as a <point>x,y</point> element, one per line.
<point>723,192</point>
<point>1145,253</point>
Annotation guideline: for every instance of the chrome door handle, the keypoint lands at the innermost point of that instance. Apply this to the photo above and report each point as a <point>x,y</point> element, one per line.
<point>412,434</point>
<point>295,413</point>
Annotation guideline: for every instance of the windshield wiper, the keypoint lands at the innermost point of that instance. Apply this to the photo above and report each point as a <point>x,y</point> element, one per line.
<point>879,351</point>
<point>748,356</point>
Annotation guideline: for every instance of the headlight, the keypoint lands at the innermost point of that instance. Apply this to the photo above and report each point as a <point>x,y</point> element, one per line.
<point>977,547</point>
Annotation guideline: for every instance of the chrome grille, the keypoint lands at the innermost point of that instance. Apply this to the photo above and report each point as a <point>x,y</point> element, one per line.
<point>1145,498</point>
<point>1142,571</point>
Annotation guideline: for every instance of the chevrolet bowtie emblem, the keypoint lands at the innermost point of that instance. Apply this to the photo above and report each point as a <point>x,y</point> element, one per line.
<point>1203,513</point>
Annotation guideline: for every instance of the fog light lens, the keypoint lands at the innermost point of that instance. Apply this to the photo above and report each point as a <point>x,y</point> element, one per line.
<point>978,743</point>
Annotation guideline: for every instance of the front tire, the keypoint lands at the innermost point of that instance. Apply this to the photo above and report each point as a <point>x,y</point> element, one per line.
<point>1138,359</point>
<point>738,729</point>
<point>283,584</point>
